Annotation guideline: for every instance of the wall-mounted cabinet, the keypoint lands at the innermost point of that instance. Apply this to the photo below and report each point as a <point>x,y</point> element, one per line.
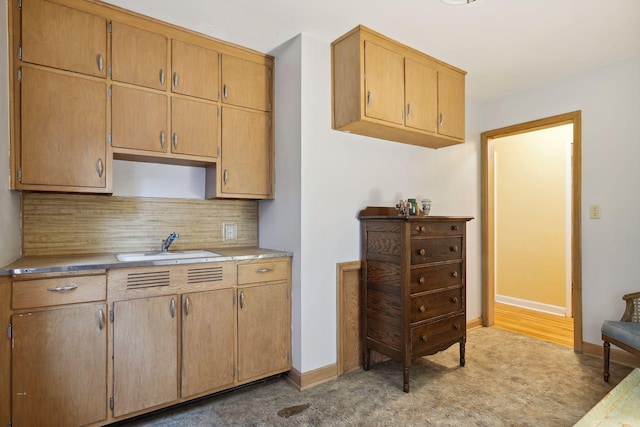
<point>93,82</point>
<point>386,90</point>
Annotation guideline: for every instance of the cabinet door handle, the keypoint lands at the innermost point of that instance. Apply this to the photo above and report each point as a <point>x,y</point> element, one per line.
<point>369,98</point>
<point>422,309</point>
<point>441,122</point>
<point>225,91</point>
<point>453,248</point>
<point>454,274</point>
<point>161,139</point>
<point>172,308</point>
<point>100,319</point>
<point>225,175</point>
<point>99,167</point>
<point>408,110</point>
<point>422,252</point>
<point>175,140</point>
<point>175,80</point>
<point>162,77</point>
<point>63,288</point>
<point>264,270</point>
<point>100,62</point>
<point>186,306</point>
<point>241,299</point>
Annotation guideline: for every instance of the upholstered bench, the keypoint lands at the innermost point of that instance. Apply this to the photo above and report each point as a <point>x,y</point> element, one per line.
<point>624,333</point>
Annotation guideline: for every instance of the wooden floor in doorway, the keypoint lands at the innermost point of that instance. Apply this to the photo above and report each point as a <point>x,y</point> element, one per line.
<point>549,327</point>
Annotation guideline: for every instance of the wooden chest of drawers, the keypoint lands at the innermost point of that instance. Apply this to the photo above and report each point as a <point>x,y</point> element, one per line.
<point>413,285</point>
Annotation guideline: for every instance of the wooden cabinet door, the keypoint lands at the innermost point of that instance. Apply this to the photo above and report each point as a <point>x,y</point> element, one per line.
<point>246,83</point>
<point>264,330</point>
<point>63,130</point>
<point>194,70</point>
<point>139,119</point>
<point>451,106</point>
<point>384,84</point>
<point>208,341</point>
<point>59,367</point>
<point>145,353</point>
<point>64,38</point>
<point>138,57</point>
<point>246,153</point>
<point>421,96</point>
<point>194,127</point>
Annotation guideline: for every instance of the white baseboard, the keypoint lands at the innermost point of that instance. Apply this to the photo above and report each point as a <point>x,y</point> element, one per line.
<point>532,305</point>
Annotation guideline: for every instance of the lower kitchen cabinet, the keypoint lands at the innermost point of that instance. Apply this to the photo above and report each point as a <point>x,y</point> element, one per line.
<point>208,341</point>
<point>59,366</point>
<point>145,353</point>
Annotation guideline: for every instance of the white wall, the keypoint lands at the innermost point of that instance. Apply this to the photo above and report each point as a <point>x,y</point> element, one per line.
<point>9,200</point>
<point>609,98</point>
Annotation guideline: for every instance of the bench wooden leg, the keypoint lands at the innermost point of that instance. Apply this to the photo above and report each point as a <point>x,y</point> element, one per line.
<point>607,353</point>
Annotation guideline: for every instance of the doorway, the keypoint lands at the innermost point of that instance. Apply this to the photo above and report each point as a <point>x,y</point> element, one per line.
<point>572,300</point>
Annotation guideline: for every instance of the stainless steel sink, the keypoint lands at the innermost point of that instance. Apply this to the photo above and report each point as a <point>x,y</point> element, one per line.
<point>154,256</point>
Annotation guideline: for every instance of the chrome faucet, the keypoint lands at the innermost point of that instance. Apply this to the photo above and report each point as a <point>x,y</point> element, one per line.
<point>168,241</point>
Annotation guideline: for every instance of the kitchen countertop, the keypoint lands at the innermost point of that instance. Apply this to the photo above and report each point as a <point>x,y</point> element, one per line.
<point>68,263</point>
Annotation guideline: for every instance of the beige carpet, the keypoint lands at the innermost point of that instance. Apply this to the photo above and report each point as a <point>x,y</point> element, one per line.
<point>508,380</point>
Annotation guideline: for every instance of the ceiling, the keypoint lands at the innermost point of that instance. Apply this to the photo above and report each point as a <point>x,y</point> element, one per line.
<point>505,45</point>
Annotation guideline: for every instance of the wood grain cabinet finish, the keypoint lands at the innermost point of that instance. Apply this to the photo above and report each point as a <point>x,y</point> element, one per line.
<point>194,70</point>
<point>246,83</point>
<point>387,90</point>
<point>59,351</point>
<point>413,285</point>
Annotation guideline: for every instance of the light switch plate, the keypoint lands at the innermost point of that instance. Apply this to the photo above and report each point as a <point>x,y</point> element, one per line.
<point>594,211</point>
<point>229,232</point>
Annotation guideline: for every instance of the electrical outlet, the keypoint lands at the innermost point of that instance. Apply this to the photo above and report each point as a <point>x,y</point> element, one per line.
<point>230,232</point>
<point>594,211</point>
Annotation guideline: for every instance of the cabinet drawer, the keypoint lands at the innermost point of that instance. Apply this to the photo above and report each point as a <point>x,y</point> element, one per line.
<point>436,277</point>
<point>436,304</point>
<point>262,272</point>
<point>434,335</point>
<point>58,291</point>
<point>443,229</point>
<point>424,251</point>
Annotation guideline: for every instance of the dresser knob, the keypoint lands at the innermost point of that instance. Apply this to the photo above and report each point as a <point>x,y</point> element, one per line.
<point>421,228</point>
<point>454,300</point>
<point>422,309</point>
<point>456,326</point>
<point>454,274</point>
<point>421,280</point>
<point>422,252</point>
<point>454,227</point>
<point>424,338</point>
<point>453,248</point>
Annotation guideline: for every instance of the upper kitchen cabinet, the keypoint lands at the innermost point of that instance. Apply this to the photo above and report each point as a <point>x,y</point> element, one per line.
<point>138,56</point>
<point>387,90</point>
<point>61,37</point>
<point>246,83</point>
<point>194,127</point>
<point>194,70</point>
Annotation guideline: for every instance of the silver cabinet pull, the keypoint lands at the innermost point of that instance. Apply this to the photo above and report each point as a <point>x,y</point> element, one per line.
<point>100,319</point>
<point>161,139</point>
<point>225,175</point>
<point>225,92</point>
<point>441,120</point>
<point>175,140</point>
<point>63,288</point>
<point>408,110</point>
<point>162,77</point>
<point>264,270</point>
<point>99,167</point>
<point>100,62</point>
<point>172,308</point>
<point>175,80</point>
<point>241,299</point>
<point>186,306</point>
<point>369,98</point>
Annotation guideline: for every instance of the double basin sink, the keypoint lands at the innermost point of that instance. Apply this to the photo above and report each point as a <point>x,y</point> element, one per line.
<point>155,256</point>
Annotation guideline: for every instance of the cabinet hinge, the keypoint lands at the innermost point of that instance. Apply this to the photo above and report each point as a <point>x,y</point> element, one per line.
<point>218,111</point>
<point>234,371</point>
<point>269,106</point>
<point>110,27</point>
<point>20,52</point>
<point>111,402</point>
<point>219,59</point>
<point>109,70</point>
<point>269,72</point>
<point>19,74</point>
<point>19,4</point>
<point>218,151</point>
<point>235,296</point>
<point>110,138</point>
<point>111,316</point>
<point>269,122</point>
<point>9,331</point>
<point>109,92</point>
<point>218,95</point>
<point>19,174</point>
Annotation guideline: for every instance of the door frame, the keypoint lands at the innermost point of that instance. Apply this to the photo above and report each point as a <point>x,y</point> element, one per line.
<point>488,226</point>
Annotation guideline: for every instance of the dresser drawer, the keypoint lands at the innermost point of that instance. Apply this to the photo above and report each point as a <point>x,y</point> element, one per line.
<point>266,271</point>
<point>432,305</point>
<point>424,251</point>
<point>435,277</point>
<point>434,335</point>
<point>443,229</point>
<point>58,291</point>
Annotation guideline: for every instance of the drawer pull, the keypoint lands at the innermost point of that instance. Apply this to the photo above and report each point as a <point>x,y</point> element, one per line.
<point>172,308</point>
<point>456,326</point>
<point>424,338</point>
<point>100,319</point>
<point>421,228</point>
<point>186,306</point>
<point>242,299</point>
<point>454,300</point>
<point>422,252</point>
<point>421,280</point>
<point>454,274</point>
<point>63,288</point>
<point>453,248</point>
<point>454,228</point>
<point>264,270</point>
<point>422,309</point>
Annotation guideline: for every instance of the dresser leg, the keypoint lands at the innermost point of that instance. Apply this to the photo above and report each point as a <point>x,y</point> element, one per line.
<point>405,378</point>
<point>462,349</point>
<point>366,355</point>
